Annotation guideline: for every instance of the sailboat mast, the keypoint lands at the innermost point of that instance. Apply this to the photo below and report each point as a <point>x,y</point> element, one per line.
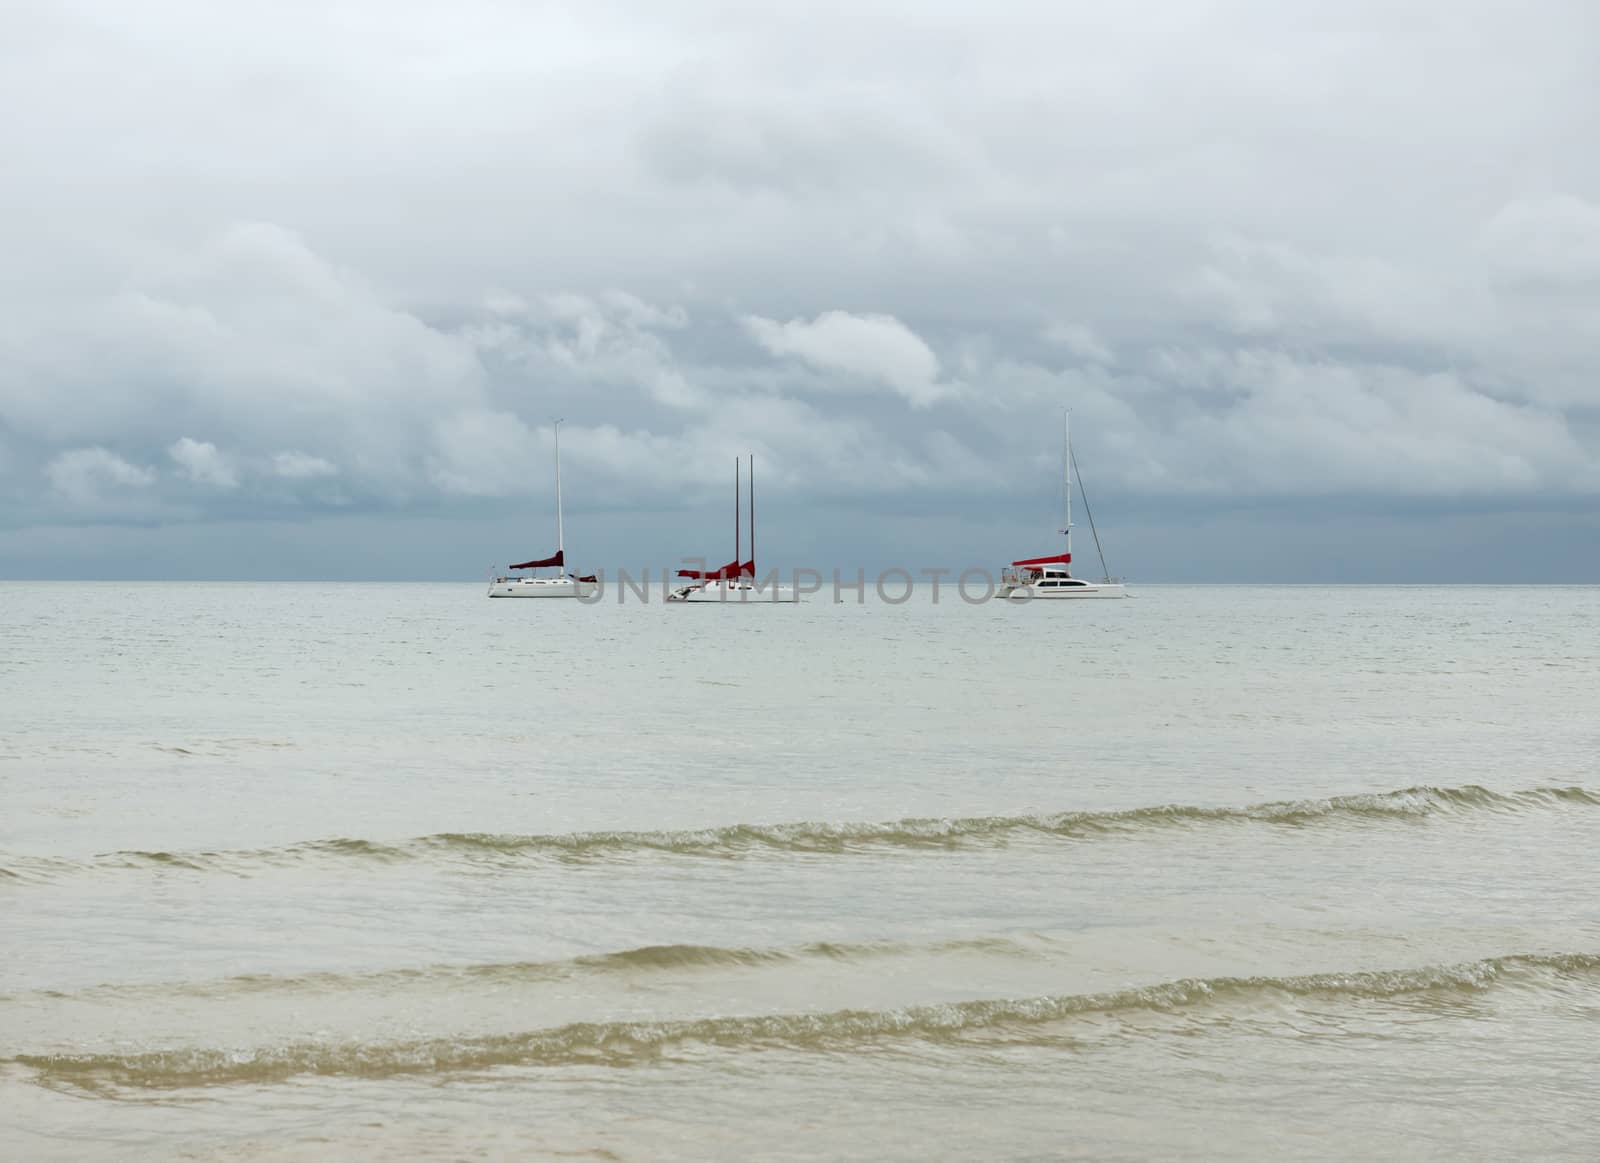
<point>736,513</point>
<point>1066,469</point>
<point>561,545</point>
<point>752,515</point>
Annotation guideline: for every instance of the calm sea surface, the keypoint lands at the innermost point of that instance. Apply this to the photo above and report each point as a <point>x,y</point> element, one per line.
<point>398,872</point>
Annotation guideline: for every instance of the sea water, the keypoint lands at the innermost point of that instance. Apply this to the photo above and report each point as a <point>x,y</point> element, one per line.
<point>394,871</point>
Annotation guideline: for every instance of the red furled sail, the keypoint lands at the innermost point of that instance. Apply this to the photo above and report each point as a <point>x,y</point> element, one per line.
<point>590,578</point>
<point>748,569</point>
<point>558,559</point>
<point>1058,559</point>
<point>726,573</point>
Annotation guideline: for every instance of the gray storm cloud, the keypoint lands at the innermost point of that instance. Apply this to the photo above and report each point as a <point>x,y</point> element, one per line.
<point>274,263</point>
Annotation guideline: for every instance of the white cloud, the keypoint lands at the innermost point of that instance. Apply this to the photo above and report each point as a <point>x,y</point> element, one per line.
<point>1548,242</point>
<point>85,475</point>
<point>202,463</point>
<point>1080,340</point>
<point>252,336</point>
<point>1315,427</point>
<point>644,315</point>
<point>486,454</point>
<point>301,466</point>
<point>874,348</point>
<point>608,341</point>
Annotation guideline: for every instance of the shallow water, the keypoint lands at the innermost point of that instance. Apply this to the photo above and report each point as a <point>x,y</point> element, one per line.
<point>394,871</point>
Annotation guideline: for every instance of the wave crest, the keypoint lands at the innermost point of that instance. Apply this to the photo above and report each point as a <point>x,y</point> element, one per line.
<point>629,1043</point>
<point>738,841</point>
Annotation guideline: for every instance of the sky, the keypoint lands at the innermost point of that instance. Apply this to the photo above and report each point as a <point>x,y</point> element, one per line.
<point>297,290</point>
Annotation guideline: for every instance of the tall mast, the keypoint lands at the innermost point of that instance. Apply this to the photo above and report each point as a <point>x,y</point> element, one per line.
<point>1066,469</point>
<point>736,511</point>
<point>752,514</point>
<point>561,545</point>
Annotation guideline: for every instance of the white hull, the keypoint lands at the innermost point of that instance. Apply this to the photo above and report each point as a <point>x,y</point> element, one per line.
<point>732,593</point>
<point>1028,593</point>
<point>540,587</point>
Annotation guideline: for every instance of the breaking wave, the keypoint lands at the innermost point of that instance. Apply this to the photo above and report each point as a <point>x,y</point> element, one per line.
<point>740,841</point>
<point>1037,1019</point>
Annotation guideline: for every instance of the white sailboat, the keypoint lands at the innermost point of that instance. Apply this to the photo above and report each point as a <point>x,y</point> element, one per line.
<point>736,581</point>
<point>563,584</point>
<point>1051,577</point>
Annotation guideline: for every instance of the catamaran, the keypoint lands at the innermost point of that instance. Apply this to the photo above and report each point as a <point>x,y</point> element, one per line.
<point>1051,576</point>
<point>736,581</point>
<point>563,584</point>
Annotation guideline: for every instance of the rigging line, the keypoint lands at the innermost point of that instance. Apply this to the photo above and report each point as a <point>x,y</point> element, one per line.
<point>1082,492</point>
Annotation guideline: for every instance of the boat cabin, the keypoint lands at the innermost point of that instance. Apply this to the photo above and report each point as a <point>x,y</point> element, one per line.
<point>1053,576</point>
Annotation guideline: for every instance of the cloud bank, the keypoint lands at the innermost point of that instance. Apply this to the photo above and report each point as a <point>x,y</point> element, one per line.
<point>298,266</point>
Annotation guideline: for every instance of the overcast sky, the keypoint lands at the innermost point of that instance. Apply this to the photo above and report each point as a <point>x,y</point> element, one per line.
<point>294,290</point>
